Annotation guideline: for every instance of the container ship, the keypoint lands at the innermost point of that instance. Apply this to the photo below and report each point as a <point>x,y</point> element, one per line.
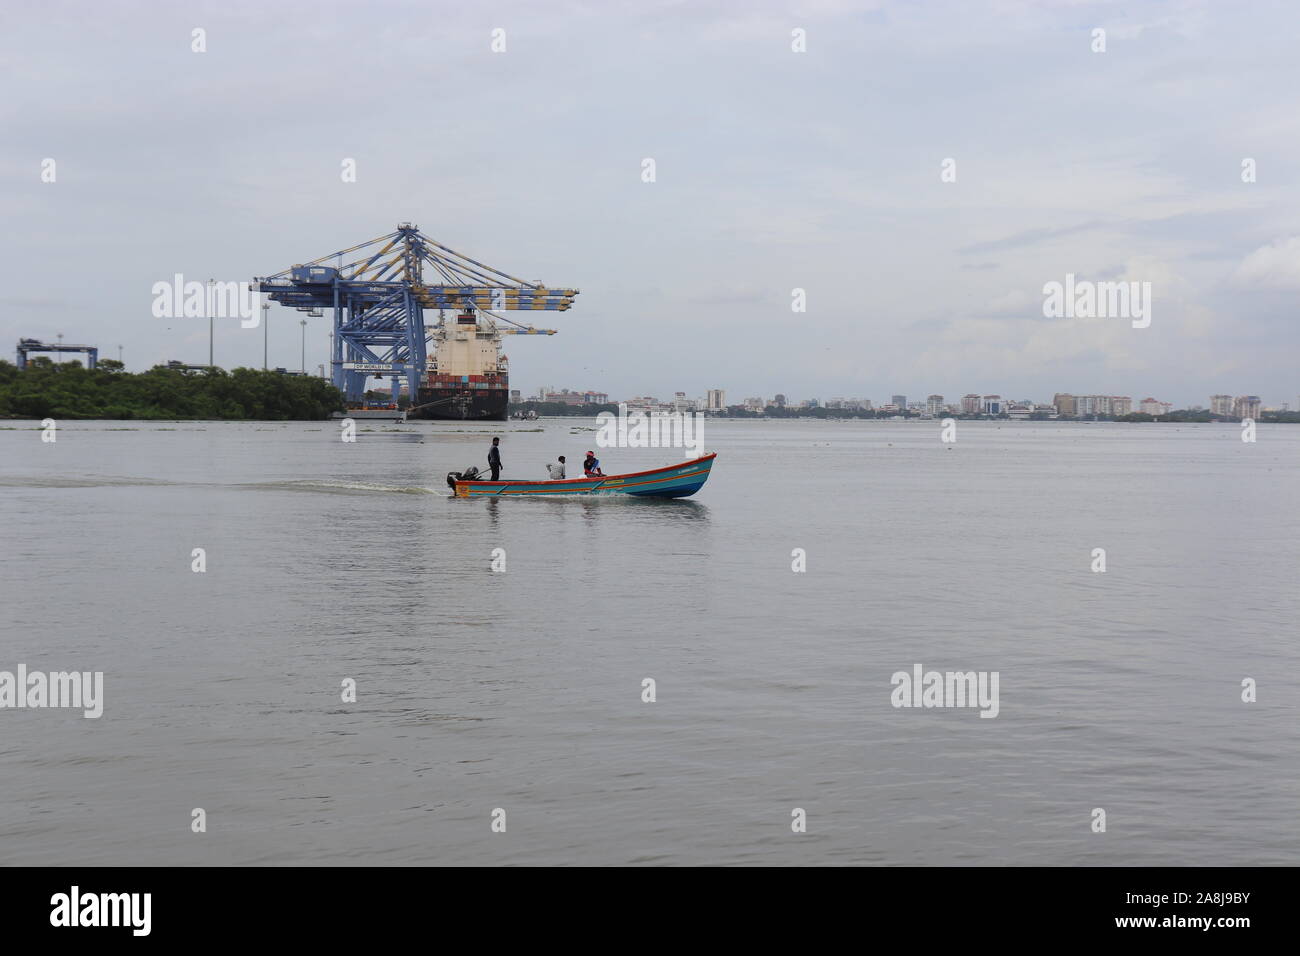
<point>467,376</point>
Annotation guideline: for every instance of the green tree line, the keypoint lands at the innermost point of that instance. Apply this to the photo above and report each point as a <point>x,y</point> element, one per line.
<point>45,389</point>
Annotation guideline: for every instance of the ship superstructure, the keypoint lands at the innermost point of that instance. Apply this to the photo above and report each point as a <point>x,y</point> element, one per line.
<point>467,375</point>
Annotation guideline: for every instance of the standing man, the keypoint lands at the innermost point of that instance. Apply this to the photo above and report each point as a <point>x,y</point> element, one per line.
<point>494,459</point>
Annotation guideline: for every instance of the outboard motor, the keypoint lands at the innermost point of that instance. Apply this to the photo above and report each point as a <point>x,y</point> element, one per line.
<point>469,474</point>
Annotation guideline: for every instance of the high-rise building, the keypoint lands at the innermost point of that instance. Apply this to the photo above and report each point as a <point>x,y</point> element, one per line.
<point>1090,406</point>
<point>934,405</point>
<point>1151,406</point>
<point>899,400</point>
<point>970,404</point>
<point>992,404</point>
<point>1221,405</point>
<point>1246,406</point>
<point>715,400</point>
<point>514,396</point>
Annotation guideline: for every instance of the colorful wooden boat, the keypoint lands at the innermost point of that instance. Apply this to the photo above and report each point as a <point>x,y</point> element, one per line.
<point>675,481</point>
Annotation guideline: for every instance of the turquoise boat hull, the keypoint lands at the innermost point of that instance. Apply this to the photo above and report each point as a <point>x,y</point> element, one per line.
<point>675,481</point>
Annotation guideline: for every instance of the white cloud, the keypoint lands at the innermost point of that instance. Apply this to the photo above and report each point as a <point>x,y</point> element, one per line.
<point>1275,266</point>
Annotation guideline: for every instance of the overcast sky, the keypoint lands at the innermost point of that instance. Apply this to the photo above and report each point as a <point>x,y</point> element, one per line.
<point>775,170</point>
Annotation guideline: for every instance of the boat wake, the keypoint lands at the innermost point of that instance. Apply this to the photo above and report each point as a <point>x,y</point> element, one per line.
<point>89,481</point>
<point>345,487</point>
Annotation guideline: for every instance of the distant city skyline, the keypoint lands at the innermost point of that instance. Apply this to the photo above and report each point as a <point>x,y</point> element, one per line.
<point>1081,404</point>
<point>732,398</point>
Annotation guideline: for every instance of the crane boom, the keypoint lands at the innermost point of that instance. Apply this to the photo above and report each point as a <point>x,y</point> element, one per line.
<point>377,292</point>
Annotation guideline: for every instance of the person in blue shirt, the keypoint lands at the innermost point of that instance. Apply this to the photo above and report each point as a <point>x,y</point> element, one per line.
<point>591,466</point>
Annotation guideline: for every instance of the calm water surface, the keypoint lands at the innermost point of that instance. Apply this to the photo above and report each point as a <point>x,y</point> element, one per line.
<point>522,690</point>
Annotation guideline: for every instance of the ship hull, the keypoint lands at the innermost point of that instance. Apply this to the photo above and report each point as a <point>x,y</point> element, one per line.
<point>461,404</point>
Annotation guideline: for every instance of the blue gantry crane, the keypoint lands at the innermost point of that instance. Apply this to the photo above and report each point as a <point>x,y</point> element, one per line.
<point>378,300</point>
<point>35,345</point>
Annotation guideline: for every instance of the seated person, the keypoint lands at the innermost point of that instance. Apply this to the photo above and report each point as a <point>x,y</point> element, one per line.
<point>591,466</point>
<point>556,469</point>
